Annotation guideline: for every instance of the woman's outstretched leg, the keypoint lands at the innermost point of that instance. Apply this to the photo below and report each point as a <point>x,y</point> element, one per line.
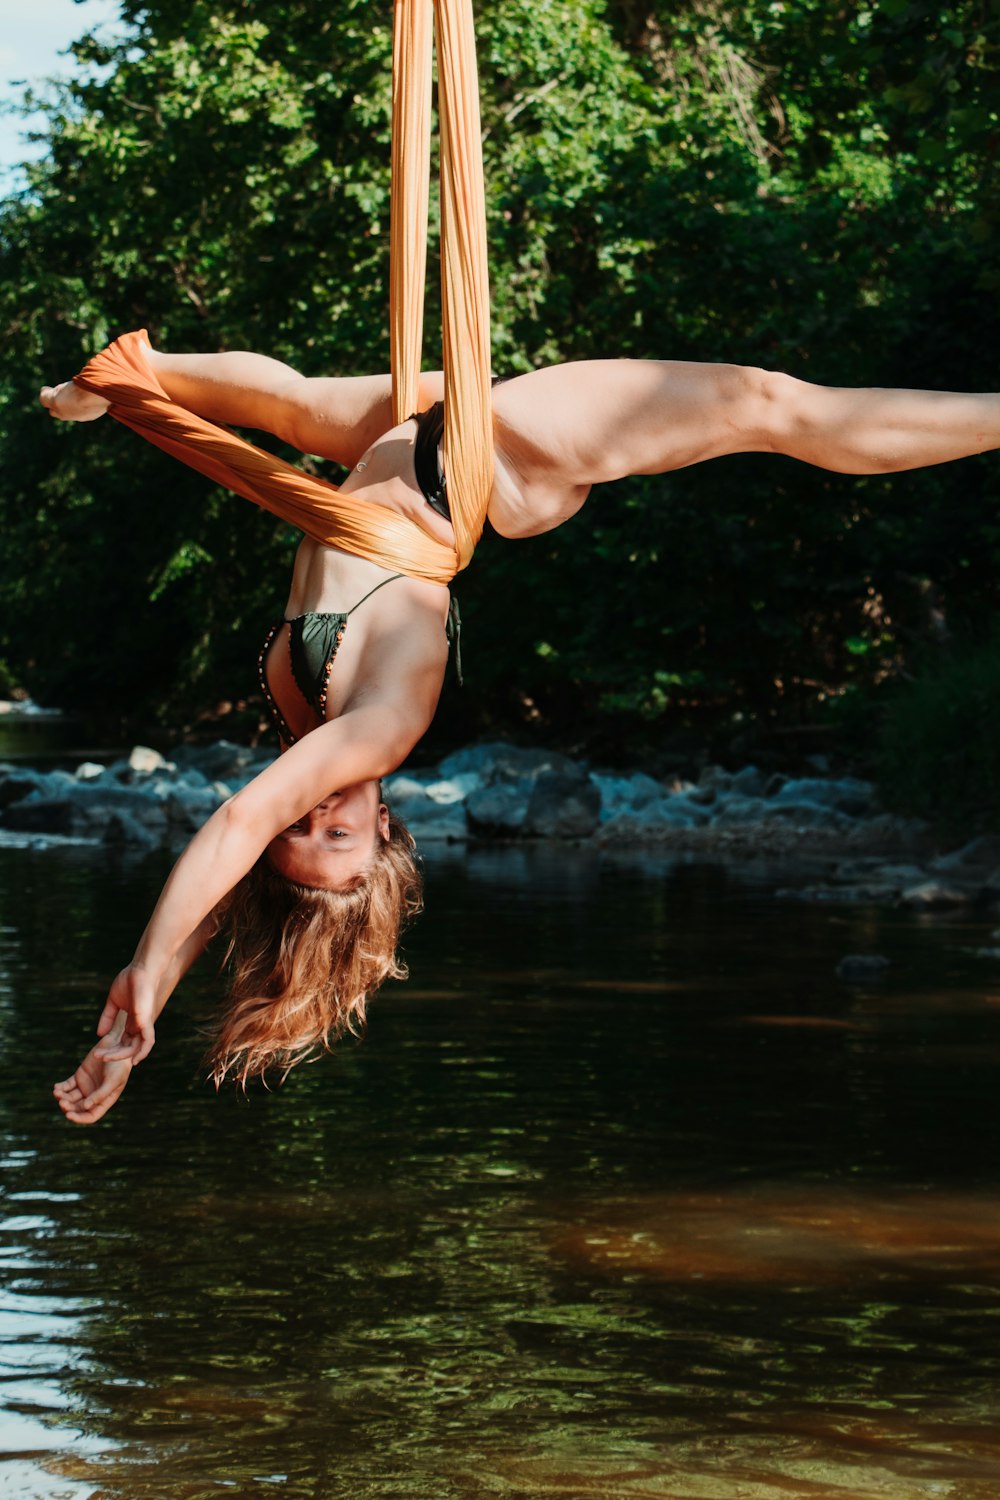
<point>335,417</point>
<point>876,430</point>
<point>570,426</point>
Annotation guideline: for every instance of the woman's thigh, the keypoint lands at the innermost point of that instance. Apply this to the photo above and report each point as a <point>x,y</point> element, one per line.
<point>595,420</point>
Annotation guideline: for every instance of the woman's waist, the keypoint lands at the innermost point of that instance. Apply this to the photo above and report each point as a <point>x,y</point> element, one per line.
<point>329,580</point>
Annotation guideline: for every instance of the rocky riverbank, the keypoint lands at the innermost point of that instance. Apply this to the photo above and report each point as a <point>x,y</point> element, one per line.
<point>498,791</point>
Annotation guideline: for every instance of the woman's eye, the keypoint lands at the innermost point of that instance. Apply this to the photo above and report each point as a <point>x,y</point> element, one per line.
<point>336,833</point>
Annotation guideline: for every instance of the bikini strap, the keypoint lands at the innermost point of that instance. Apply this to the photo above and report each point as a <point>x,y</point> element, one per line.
<point>370,592</point>
<point>453,630</point>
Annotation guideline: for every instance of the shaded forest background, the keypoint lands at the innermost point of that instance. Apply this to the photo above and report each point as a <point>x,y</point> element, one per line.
<point>801,185</point>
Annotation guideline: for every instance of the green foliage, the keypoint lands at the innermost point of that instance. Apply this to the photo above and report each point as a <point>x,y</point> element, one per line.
<point>939,738</point>
<point>786,185</point>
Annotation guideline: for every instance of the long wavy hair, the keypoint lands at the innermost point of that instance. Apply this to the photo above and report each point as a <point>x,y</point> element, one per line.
<point>304,961</point>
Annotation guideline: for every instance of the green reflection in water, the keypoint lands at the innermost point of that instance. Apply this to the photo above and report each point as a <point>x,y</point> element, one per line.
<point>624,1196</point>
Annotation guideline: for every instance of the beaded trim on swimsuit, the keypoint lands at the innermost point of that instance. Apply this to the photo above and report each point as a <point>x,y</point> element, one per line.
<point>315,691</point>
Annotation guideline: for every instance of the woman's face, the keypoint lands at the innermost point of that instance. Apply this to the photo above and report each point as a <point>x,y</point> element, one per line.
<point>333,844</point>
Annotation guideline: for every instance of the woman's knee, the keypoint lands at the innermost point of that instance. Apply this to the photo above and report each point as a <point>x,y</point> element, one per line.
<point>768,404</point>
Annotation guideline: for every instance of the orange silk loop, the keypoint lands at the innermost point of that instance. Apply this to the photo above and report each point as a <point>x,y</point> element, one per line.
<point>411,167</point>
<point>468,414</point>
<point>465,293</point>
<point>124,377</point>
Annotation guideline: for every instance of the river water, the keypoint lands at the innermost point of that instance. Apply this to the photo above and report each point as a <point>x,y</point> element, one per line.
<point>624,1195</point>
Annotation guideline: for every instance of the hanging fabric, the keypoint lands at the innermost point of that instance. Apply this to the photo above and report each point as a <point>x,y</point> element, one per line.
<point>123,376</point>
<point>467,450</point>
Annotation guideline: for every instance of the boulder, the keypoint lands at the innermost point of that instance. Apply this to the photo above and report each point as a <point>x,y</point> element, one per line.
<point>498,761</point>
<point>143,761</point>
<point>715,779</point>
<point>453,788</point>
<point>808,815</point>
<point>84,808</point>
<point>625,793</point>
<point>749,782</point>
<point>497,811</point>
<point>17,782</point>
<point>188,807</point>
<point>221,761</point>
<point>739,809</point>
<point>679,811</point>
<point>89,770</point>
<point>847,795</point>
<point>563,806</point>
<point>930,893</point>
<point>437,822</point>
<point>984,850</point>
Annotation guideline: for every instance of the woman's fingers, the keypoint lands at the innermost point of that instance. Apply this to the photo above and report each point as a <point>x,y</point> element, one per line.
<point>133,1047</point>
<point>109,1015</point>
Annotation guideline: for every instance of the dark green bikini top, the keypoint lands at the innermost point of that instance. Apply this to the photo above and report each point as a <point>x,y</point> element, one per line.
<point>313,642</point>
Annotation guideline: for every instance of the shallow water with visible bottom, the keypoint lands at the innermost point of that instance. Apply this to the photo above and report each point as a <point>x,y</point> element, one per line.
<point>625,1194</point>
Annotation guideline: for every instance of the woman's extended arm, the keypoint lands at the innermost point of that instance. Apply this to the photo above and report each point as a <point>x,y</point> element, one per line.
<point>98,1082</point>
<point>363,744</point>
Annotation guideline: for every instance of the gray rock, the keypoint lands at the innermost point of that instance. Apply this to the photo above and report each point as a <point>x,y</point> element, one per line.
<point>808,815</point>
<point>38,813</point>
<point>847,795</point>
<point>562,806</point>
<point>17,782</point>
<point>453,788</point>
<point>499,811</point>
<point>749,782</point>
<point>89,770</point>
<point>739,809</point>
<point>715,779</point>
<point>438,822</point>
<point>191,776</point>
<point>934,893</point>
<point>120,828</point>
<point>143,761</point>
<point>679,811</point>
<point>188,807</point>
<point>984,850</point>
<point>498,761</point>
<point>861,968</point>
<point>221,761</point>
<point>625,793</point>
<point>83,808</point>
<point>399,788</point>
<point>409,802</point>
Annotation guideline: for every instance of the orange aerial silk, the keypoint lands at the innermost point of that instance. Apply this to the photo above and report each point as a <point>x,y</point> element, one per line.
<point>122,374</point>
<point>468,413</point>
<point>124,377</point>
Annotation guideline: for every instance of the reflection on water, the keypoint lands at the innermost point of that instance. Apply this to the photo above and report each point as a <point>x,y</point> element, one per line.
<point>625,1195</point>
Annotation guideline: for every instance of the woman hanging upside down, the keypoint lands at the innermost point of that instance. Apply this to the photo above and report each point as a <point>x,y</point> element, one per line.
<point>306,866</point>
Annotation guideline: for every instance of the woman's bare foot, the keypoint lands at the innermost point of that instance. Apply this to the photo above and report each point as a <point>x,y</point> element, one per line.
<point>70,403</point>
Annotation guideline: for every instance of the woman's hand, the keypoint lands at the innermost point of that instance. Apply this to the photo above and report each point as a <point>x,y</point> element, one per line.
<point>126,1022</point>
<point>71,403</point>
<point>93,1088</point>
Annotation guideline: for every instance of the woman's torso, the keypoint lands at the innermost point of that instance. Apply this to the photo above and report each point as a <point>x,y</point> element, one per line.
<point>330,647</point>
<point>333,645</point>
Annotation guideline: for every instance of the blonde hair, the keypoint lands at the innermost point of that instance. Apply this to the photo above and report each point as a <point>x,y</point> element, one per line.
<point>304,960</point>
